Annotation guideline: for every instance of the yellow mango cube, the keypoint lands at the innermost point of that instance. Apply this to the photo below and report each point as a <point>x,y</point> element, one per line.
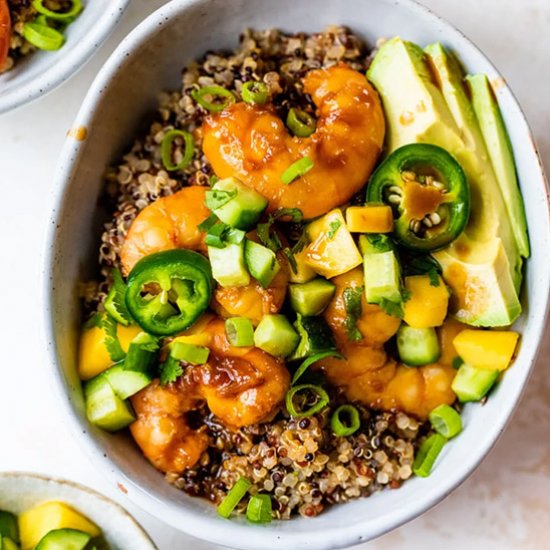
<point>487,349</point>
<point>303,273</point>
<point>332,250</point>
<point>93,357</point>
<point>427,304</point>
<point>371,218</point>
<point>40,520</point>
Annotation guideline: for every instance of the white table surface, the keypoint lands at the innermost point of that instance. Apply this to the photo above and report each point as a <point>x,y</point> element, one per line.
<point>504,505</point>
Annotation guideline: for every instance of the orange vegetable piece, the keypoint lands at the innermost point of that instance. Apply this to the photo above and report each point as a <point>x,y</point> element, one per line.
<point>369,219</point>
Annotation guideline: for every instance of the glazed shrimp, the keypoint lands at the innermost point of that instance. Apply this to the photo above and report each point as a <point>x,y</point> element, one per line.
<point>5,32</point>
<point>161,429</point>
<point>169,222</point>
<point>252,143</point>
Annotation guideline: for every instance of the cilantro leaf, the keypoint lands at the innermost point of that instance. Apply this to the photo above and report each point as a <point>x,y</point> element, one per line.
<point>333,228</point>
<point>424,265</point>
<point>170,371</point>
<point>109,326</point>
<point>352,303</point>
<point>94,321</point>
<point>395,309</point>
<point>115,304</point>
<point>405,295</point>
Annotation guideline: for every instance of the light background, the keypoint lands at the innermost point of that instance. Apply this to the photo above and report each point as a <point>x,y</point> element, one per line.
<point>504,505</point>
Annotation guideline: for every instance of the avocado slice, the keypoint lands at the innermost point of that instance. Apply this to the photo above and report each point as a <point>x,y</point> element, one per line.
<point>423,108</point>
<point>502,157</point>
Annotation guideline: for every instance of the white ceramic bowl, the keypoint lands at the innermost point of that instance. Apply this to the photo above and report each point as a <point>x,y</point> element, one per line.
<point>39,73</point>
<point>153,54</point>
<point>21,491</point>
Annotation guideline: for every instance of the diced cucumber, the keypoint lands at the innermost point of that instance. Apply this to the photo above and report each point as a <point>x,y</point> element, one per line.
<point>382,277</point>
<point>374,244</point>
<point>64,539</point>
<point>126,383</point>
<point>243,207</point>
<point>315,337</point>
<point>8,526</point>
<point>190,353</point>
<point>228,265</point>
<point>471,384</point>
<point>417,346</point>
<point>7,544</point>
<point>104,407</point>
<point>276,336</point>
<point>141,354</point>
<point>311,298</point>
<point>261,262</point>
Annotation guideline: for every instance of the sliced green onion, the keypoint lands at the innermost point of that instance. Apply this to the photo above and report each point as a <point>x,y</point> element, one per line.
<point>208,223</point>
<point>115,304</point>
<point>300,123</point>
<point>446,421</point>
<point>258,509</point>
<point>240,332</point>
<point>297,170</point>
<point>235,495</point>
<point>255,92</point>
<point>63,16</point>
<point>345,420</point>
<point>220,98</point>
<point>215,235</point>
<point>427,455</point>
<point>313,359</point>
<point>321,401</point>
<point>141,353</point>
<point>44,38</point>
<point>166,149</point>
<point>213,179</point>
<point>190,353</point>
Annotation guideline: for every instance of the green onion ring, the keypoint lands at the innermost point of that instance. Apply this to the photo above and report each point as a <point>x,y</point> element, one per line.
<point>239,331</point>
<point>300,123</point>
<point>65,17</point>
<point>297,170</point>
<point>166,149</point>
<point>446,421</point>
<point>44,38</point>
<point>235,495</point>
<point>255,92</point>
<point>313,359</point>
<point>258,509</point>
<point>427,454</point>
<point>216,92</point>
<point>341,428</point>
<point>323,400</point>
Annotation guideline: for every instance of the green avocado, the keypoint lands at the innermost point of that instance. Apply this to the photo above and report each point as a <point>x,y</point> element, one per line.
<point>425,101</point>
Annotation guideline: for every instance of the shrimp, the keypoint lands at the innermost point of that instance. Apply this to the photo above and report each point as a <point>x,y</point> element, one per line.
<point>253,300</point>
<point>368,375</point>
<point>252,143</point>
<point>5,32</point>
<point>161,429</point>
<point>241,386</point>
<point>169,222</point>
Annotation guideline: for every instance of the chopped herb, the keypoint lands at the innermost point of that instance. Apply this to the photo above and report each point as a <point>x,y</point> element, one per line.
<point>395,309</point>
<point>289,254</point>
<point>457,362</point>
<point>170,371</point>
<point>424,265</point>
<point>216,198</point>
<point>301,243</point>
<point>334,226</point>
<point>93,321</point>
<point>352,303</point>
<point>208,223</point>
<point>112,343</point>
<point>406,295</point>
<point>266,234</point>
<point>380,242</point>
<point>115,304</point>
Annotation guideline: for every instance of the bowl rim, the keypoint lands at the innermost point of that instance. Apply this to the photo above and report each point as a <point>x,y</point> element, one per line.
<point>193,523</point>
<point>70,63</point>
<point>19,475</point>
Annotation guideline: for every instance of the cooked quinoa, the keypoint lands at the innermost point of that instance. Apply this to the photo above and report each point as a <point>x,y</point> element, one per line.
<point>21,12</point>
<point>299,462</point>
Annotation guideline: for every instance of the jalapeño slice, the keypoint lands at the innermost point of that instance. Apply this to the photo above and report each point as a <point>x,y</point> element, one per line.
<point>168,291</point>
<point>428,192</point>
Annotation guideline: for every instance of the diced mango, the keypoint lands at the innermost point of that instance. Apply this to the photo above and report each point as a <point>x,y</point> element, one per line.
<point>36,522</point>
<point>93,357</point>
<point>332,250</point>
<point>427,304</point>
<point>303,273</point>
<point>371,218</point>
<point>486,349</point>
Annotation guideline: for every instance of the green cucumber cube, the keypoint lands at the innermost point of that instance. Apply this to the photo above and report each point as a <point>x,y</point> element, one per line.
<point>126,383</point>
<point>315,337</point>
<point>311,298</point>
<point>228,265</point>
<point>375,244</point>
<point>261,262</point>
<point>190,353</point>
<point>9,527</point>
<point>417,346</point>
<point>66,539</point>
<point>104,407</point>
<point>276,336</point>
<point>243,208</point>
<point>471,384</point>
<point>382,277</point>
